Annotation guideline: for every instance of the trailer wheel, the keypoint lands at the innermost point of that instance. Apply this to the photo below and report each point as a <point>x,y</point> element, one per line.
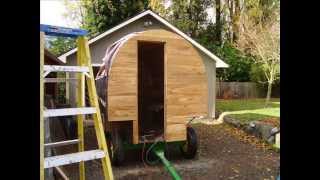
<point>116,149</point>
<point>189,149</point>
<point>167,151</point>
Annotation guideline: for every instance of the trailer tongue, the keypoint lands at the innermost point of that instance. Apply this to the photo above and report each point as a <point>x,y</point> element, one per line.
<point>158,150</point>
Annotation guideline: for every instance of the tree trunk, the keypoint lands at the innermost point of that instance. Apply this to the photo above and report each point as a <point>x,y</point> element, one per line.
<point>268,93</point>
<point>230,28</point>
<point>218,21</point>
<point>236,21</point>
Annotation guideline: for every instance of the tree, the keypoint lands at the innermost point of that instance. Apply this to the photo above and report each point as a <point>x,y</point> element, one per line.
<point>96,16</point>
<point>189,15</point>
<point>60,45</point>
<point>101,15</point>
<point>75,12</point>
<point>239,64</point>
<point>263,41</point>
<point>234,16</point>
<point>236,21</point>
<point>261,11</point>
<point>159,7</point>
<point>218,21</point>
<point>261,38</point>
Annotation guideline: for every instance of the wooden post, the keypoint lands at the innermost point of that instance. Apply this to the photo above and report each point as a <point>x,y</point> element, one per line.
<point>212,88</point>
<point>47,151</point>
<point>80,103</point>
<point>41,107</point>
<point>67,87</point>
<point>277,144</point>
<point>62,174</point>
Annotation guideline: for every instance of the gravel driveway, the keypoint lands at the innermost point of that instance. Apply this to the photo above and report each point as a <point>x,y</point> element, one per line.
<point>224,153</point>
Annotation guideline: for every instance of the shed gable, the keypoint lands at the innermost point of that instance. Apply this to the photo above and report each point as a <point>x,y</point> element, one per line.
<point>159,20</point>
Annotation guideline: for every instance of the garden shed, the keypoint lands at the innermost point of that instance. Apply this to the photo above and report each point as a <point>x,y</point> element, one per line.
<point>154,71</point>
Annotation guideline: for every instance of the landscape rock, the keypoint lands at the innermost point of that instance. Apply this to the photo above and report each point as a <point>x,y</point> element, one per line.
<point>261,130</point>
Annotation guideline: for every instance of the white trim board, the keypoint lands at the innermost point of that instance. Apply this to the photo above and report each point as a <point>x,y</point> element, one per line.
<point>53,68</point>
<point>61,160</point>
<point>96,65</point>
<point>68,111</point>
<point>219,62</point>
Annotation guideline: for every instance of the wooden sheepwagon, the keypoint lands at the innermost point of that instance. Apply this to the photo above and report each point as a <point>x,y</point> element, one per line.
<point>154,79</point>
<point>156,83</point>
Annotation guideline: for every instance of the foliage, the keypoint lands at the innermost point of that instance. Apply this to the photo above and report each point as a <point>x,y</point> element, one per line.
<point>61,99</point>
<point>75,13</point>
<point>59,45</point>
<point>97,16</point>
<point>262,10</point>
<point>257,74</point>
<point>235,38</point>
<point>159,7</point>
<point>101,15</point>
<point>189,15</point>
<point>240,64</point>
<point>262,40</point>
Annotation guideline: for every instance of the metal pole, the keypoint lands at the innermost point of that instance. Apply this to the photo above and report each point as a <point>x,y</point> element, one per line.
<point>158,150</point>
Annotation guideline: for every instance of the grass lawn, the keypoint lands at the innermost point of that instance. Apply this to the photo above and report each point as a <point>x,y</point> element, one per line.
<point>250,109</point>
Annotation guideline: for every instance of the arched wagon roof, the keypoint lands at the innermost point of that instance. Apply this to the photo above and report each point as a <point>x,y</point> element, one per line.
<point>185,81</point>
<point>219,62</point>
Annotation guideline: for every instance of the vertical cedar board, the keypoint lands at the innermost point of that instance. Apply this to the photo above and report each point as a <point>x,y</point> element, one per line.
<point>185,84</point>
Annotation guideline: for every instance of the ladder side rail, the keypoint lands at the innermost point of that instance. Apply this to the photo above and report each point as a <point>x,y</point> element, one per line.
<point>80,103</point>
<point>107,169</point>
<point>41,106</point>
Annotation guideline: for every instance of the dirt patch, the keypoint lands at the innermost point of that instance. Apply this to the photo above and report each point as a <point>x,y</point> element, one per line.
<point>224,153</point>
<point>272,121</point>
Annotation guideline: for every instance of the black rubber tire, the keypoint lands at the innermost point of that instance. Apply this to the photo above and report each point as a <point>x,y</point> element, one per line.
<point>116,149</point>
<point>152,158</point>
<point>189,150</point>
<point>167,151</point>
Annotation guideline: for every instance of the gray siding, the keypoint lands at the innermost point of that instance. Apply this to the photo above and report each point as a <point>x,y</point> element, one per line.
<point>210,66</point>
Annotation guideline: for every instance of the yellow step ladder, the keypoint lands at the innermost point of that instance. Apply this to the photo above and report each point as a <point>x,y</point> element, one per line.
<point>85,76</point>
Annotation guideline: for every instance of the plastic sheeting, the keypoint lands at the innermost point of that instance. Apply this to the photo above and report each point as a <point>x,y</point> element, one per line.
<point>103,73</point>
<point>111,53</point>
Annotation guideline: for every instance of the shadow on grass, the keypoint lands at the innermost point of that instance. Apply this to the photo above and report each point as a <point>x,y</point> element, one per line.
<point>245,104</point>
<point>248,117</point>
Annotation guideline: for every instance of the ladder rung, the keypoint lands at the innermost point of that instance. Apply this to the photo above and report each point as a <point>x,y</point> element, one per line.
<point>56,80</point>
<point>62,143</point>
<point>61,160</point>
<point>68,111</point>
<point>53,68</point>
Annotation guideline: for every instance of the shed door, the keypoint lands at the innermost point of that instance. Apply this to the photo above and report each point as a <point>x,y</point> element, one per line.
<point>186,87</point>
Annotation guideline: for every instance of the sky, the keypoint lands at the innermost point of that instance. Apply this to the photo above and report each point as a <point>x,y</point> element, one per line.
<point>51,13</point>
